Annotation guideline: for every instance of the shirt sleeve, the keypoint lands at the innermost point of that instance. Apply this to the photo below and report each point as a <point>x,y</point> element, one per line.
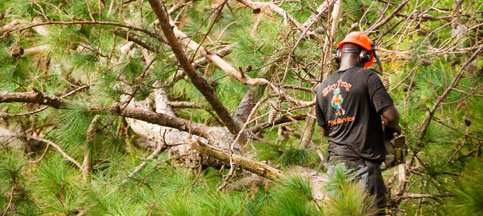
<point>319,110</point>
<point>378,94</point>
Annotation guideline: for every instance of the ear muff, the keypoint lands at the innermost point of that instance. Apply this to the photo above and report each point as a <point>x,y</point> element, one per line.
<point>366,56</point>
<point>337,55</point>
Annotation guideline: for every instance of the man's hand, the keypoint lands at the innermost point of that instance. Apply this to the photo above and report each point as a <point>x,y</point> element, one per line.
<point>390,116</point>
<point>389,132</point>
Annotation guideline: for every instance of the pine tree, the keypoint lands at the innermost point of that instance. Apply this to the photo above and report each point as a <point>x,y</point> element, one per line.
<point>77,78</point>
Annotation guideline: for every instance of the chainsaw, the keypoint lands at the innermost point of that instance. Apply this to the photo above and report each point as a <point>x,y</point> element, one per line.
<point>396,151</point>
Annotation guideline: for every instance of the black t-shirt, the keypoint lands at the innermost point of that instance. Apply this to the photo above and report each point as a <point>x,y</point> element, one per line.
<point>349,104</point>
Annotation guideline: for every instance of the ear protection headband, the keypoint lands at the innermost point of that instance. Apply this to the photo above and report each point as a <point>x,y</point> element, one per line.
<point>364,56</point>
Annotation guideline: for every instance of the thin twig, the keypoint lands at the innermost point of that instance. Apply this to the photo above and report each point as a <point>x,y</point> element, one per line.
<point>9,202</point>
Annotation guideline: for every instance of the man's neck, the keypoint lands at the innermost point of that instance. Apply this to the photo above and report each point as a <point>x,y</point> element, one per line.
<point>347,66</point>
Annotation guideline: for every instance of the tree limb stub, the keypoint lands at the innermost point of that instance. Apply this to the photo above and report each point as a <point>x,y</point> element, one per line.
<point>161,119</point>
<point>33,97</point>
<point>199,82</point>
<point>183,104</point>
<point>420,196</point>
<point>247,164</point>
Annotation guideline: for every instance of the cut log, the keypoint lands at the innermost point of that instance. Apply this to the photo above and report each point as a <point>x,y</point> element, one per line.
<point>247,164</point>
<point>317,180</point>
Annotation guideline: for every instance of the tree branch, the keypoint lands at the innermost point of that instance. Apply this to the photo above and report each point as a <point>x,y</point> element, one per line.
<point>183,104</point>
<point>152,34</point>
<point>33,97</point>
<point>59,149</point>
<point>199,82</point>
<point>442,97</point>
<point>197,64</point>
<point>136,41</point>
<point>257,6</point>
<point>420,196</point>
<point>247,164</point>
<point>216,59</point>
<point>371,29</point>
<point>161,119</point>
<point>278,120</point>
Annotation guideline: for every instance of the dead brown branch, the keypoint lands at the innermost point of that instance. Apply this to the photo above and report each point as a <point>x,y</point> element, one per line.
<point>247,164</point>
<point>33,97</point>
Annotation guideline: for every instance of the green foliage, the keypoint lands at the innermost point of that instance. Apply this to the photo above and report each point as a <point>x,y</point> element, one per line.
<point>14,179</point>
<point>293,196</point>
<point>12,163</point>
<point>90,55</point>
<point>283,154</point>
<point>347,197</point>
<point>468,199</point>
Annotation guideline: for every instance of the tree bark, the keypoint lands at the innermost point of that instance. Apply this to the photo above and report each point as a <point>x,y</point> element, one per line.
<point>161,119</point>
<point>247,103</point>
<point>200,83</point>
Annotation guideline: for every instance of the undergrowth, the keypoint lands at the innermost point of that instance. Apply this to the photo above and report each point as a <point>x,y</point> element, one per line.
<point>54,186</point>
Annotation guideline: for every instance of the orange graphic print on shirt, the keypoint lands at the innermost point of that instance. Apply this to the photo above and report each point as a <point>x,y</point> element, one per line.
<point>337,102</point>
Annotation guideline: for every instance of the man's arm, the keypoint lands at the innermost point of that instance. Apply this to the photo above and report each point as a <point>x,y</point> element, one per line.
<point>325,131</point>
<point>390,115</point>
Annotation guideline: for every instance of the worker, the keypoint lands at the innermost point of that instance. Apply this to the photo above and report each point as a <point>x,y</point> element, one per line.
<point>349,106</point>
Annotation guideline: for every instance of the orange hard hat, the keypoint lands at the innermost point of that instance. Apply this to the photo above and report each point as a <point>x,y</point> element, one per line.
<point>361,39</point>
